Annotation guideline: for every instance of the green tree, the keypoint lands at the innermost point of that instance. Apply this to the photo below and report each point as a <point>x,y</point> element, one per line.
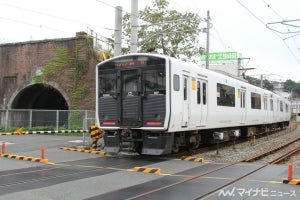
<point>292,87</point>
<point>266,84</point>
<point>167,31</point>
<point>289,85</point>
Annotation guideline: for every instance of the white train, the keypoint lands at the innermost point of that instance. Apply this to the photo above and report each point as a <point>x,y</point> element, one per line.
<point>158,104</point>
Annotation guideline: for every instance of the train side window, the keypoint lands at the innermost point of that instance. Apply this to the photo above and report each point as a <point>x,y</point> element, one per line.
<point>198,92</point>
<point>176,82</point>
<point>225,95</point>
<point>265,103</point>
<point>204,93</point>
<point>185,88</point>
<point>271,105</point>
<point>255,101</point>
<point>243,98</point>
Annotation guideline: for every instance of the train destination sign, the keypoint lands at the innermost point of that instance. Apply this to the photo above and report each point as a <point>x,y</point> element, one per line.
<point>218,56</point>
<point>130,63</point>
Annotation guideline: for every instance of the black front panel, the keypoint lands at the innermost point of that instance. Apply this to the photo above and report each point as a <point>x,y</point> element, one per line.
<point>154,110</point>
<point>108,111</point>
<point>130,112</point>
<point>132,92</point>
<point>108,103</point>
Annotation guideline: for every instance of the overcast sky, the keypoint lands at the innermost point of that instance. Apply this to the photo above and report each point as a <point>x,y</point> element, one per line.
<point>238,25</point>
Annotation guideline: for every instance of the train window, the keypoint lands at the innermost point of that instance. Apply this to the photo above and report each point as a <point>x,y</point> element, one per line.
<point>130,79</point>
<point>155,81</point>
<point>243,98</point>
<point>198,92</point>
<point>286,108</point>
<point>265,103</point>
<point>271,104</point>
<point>255,101</point>
<point>281,106</point>
<point>185,88</point>
<point>225,95</point>
<point>204,93</point>
<point>107,84</point>
<point>176,82</point>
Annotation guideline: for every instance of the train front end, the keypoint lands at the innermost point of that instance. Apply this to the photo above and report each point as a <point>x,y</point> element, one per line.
<point>131,103</point>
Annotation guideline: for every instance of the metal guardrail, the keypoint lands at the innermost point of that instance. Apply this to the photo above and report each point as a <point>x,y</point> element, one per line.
<point>53,119</point>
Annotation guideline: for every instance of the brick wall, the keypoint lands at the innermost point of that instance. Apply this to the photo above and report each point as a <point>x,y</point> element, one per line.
<point>20,62</point>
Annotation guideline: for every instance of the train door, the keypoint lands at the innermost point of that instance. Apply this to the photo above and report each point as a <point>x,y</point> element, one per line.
<point>203,102</point>
<point>186,101</point>
<point>130,98</point>
<point>198,115</point>
<point>243,105</point>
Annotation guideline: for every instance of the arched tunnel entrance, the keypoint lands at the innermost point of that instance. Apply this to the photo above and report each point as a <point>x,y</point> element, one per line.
<point>39,96</point>
<point>42,101</point>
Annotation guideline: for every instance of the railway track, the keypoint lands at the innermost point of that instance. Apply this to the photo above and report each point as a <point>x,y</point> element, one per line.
<point>211,192</point>
<point>211,147</point>
<point>276,160</point>
<point>276,149</point>
<point>207,194</point>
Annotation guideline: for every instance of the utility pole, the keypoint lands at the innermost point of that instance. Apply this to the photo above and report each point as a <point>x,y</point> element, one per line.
<point>118,31</point>
<point>240,59</point>
<point>134,26</point>
<point>207,40</point>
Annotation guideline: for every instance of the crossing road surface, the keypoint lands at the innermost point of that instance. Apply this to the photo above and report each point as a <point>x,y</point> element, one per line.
<point>75,175</point>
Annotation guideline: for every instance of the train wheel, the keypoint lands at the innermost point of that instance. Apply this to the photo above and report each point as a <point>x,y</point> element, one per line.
<point>138,147</point>
<point>175,148</point>
<point>197,143</point>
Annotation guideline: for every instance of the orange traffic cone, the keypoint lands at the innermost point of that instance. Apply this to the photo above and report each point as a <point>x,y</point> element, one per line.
<point>290,171</point>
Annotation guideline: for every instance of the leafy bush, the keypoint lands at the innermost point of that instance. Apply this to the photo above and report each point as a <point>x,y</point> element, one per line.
<point>2,128</point>
<point>40,128</point>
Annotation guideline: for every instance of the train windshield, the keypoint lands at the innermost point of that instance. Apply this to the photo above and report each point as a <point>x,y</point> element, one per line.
<point>107,83</point>
<point>155,81</point>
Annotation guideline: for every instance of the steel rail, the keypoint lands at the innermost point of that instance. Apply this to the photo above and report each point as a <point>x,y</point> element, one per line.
<point>264,154</point>
<point>285,155</point>
<point>209,172</point>
<point>180,182</point>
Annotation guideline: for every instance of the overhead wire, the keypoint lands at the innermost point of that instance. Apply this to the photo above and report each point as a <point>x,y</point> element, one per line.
<point>274,11</point>
<point>52,16</point>
<point>288,30</point>
<point>262,22</point>
<point>34,25</point>
<point>219,38</point>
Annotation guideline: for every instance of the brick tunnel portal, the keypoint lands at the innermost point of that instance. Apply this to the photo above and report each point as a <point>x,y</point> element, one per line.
<point>39,96</point>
